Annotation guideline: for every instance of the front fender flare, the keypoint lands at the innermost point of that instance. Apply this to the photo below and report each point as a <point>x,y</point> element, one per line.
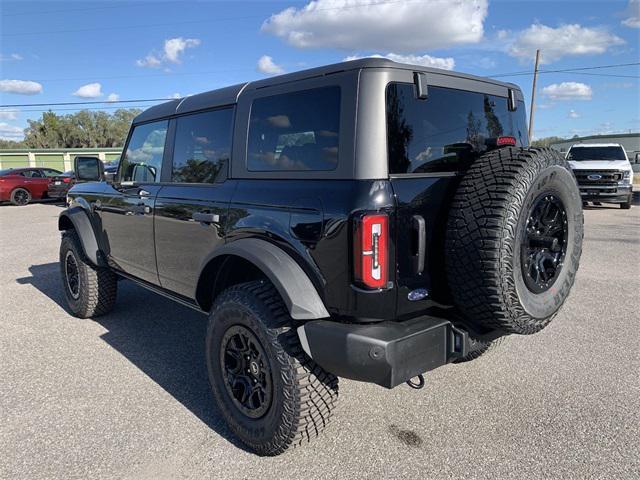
<point>298,293</point>
<point>82,225</point>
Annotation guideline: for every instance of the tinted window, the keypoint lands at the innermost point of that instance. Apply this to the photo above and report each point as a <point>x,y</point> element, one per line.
<point>49,172</point>
<point>295,131</point>
<point>32,174</point>
<point>578,154</point>
<point>447,129</point>
<point>202,146</point>
<point>143,159</point>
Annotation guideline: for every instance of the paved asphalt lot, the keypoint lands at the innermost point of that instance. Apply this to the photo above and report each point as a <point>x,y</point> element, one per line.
<point>126,396</point>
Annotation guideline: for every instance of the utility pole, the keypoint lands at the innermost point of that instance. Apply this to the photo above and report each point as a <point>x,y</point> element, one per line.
<point>533,95</point>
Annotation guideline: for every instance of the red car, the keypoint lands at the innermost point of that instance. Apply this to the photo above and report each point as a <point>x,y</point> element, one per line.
<point>21,185</point>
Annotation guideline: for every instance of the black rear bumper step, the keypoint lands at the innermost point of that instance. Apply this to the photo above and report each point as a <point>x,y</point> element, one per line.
<point>386,353</point>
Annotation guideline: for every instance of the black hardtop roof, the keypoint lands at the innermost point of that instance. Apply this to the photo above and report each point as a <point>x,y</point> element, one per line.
<point>229,95</point>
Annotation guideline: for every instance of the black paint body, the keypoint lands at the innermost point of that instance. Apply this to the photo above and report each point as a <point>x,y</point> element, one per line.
<point>147,231</point>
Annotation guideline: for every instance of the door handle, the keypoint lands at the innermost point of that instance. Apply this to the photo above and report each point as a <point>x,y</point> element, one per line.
<point>421,231</point>
<point>205,217</point>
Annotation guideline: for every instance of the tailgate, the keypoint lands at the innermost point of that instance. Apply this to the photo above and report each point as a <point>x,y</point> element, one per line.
<point>422,206</point>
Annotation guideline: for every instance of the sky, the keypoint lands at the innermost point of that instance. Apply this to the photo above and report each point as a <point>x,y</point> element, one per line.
<point>53,52</point>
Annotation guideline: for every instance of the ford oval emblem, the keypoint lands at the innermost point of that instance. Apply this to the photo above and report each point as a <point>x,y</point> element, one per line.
<point>595,176</point>
<point>418,294</point>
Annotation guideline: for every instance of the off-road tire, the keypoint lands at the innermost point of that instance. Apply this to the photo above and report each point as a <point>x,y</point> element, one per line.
<point>97,287</point>
<point>626,205</point>
<point>303,394</point>
<point>20,197</point>
<point>485,230</point>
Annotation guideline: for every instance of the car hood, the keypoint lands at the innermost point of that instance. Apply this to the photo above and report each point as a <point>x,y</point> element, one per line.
<point>600,165</point>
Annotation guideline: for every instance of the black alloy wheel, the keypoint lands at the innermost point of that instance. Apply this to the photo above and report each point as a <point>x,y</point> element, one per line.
<point>247,371</point>
<point>72,275</point>
<point>544,243</point>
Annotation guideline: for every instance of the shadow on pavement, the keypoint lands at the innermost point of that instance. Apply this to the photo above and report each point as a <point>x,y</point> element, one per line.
<point>162,338</point>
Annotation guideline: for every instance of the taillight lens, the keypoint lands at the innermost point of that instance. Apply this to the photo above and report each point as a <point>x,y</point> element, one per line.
<point>506,141</point>
<point>66,180</point>
<point>371,250</point>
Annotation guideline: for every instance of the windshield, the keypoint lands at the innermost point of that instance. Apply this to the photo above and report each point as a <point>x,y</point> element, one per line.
<point>7,171</point>
<point>579,154</point>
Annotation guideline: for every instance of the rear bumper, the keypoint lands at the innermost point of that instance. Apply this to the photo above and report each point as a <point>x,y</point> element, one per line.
<point>386,353</point>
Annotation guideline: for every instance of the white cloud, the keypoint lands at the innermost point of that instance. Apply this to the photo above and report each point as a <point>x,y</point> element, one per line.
<point>21,87</point>
<point>380,25</point>
<point>10,57</point>
<point>9,132</point>
<point>174,47</point>
<point>172,52</point>
<point>568,91</point>
<point>268,66</point>
<point>150,61</point>
<point>633,10</point>
<point>113,97</point>
<point>573,114</point>
<point>565,40</point>
<point>6,114</point>
<point>90,90</point>
<point>423,60</point>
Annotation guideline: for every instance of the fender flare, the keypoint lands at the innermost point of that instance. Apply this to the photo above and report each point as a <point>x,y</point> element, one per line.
<point>298,293</point>
<point>82,225</point>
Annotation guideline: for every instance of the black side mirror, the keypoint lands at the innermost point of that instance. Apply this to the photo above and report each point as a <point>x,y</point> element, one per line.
<point>88,169</point>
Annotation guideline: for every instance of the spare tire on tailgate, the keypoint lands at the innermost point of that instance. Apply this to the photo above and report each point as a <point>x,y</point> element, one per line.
<point>514,239</point>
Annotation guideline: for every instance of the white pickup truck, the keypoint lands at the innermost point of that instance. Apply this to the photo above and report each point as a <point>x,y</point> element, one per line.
<point>603,172</point>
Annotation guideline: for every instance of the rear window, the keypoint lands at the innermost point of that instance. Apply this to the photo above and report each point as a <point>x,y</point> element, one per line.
<point>579,154</point>
<point>295,131</point>
<point>202,146</point>
<point>448,129</point>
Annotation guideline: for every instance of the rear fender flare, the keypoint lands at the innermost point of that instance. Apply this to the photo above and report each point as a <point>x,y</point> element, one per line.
<point>296,289</point>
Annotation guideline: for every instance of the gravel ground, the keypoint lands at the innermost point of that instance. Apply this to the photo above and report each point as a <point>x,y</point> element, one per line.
<point>126,396</point>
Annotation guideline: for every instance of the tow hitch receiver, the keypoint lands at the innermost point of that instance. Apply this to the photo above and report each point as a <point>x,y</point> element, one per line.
<point>386,353</point>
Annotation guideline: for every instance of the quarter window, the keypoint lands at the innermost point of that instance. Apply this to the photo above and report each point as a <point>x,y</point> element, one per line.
<point>448,129</point>
<point>202,146</point>
<point>295,131</point>
<point>142,162</point>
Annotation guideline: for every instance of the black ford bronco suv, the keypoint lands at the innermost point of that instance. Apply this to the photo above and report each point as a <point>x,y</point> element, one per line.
<point>368,220</point>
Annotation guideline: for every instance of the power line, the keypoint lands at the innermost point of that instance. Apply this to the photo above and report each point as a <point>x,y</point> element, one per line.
<point>47,12</point>
<point>577,70</point>
<point>75,109</point>
<point>564,70</point>
<point>85,103</point>
<point>145,75</point>
<point>189,22</point>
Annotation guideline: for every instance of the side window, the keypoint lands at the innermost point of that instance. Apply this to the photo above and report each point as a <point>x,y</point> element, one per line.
<point>202,146</point>
<point>33,174</point>
<point>446,130</point>
<point>142,162</point>
<point>295,131</point>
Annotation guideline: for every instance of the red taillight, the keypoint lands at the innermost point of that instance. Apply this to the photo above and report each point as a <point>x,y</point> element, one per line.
<point>66,179</point>
<point>506,141</point>
<point>371,250</point>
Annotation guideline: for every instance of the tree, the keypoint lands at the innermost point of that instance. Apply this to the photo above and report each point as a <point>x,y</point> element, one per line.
<point>83,129</point>
<point>546,141</point>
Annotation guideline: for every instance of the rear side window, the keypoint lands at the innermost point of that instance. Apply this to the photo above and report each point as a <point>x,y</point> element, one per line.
<point>202,146</point>
<point>295,131</point>
<point>446,130</point>
<point>142,162</point>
